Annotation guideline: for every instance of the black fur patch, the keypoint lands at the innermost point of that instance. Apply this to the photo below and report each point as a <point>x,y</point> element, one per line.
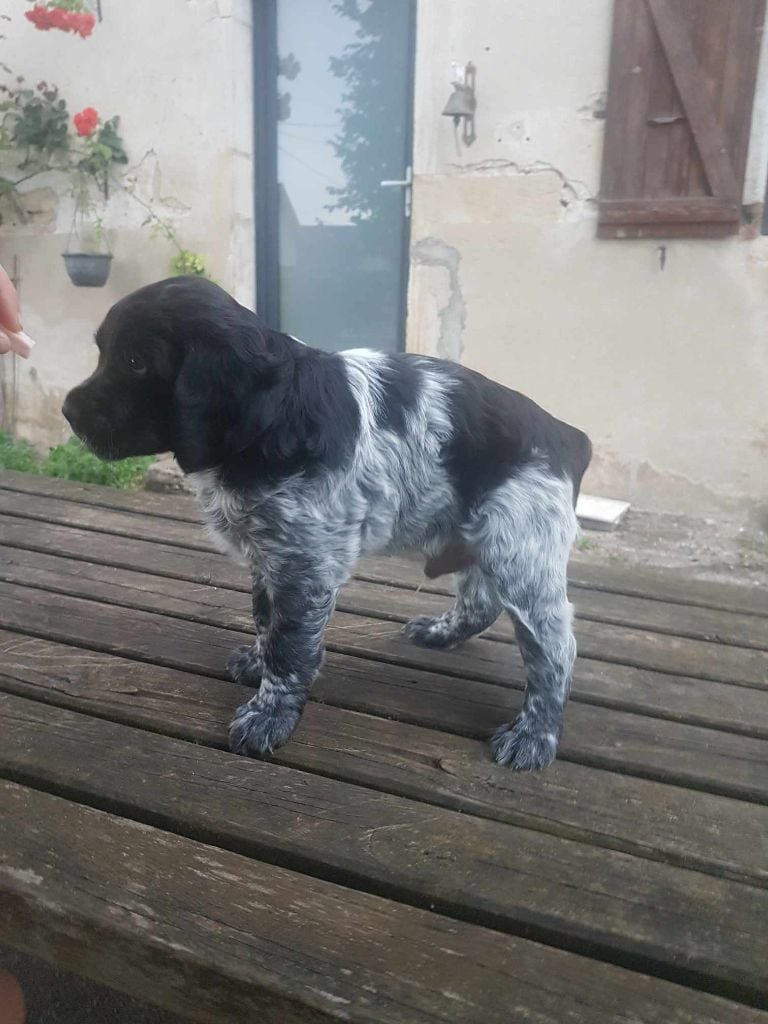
<point>215,386</point>
<point>497,430</point>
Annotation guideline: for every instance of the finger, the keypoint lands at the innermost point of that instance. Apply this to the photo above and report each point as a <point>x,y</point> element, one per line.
<point>17,342</point>
<point>9,304</point>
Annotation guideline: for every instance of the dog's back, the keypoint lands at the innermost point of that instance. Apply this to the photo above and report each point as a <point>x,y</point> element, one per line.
<point>494,431</point>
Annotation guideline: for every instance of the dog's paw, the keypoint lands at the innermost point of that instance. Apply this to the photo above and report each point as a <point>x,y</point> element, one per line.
<point>246,664</point>
<point>431,632</point>
<point>259,729</point>
<point>524,746</point>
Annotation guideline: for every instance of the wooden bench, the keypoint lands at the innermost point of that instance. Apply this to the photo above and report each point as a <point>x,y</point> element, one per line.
<point>379,867</point>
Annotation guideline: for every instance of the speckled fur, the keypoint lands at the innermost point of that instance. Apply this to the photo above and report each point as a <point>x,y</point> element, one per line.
<point>305,460</point>
<point>302,536</point>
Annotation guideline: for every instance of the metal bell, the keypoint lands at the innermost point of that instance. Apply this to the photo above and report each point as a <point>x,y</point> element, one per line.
<point>461,102</point>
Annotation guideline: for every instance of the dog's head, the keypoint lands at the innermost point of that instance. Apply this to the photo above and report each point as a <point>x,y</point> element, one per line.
<point>183,368</point>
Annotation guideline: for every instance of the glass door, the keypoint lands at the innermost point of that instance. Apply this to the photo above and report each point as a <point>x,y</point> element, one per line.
<point>336,176</point>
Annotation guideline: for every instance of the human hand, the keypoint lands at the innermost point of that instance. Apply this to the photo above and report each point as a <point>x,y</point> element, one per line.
<point>12,338</point>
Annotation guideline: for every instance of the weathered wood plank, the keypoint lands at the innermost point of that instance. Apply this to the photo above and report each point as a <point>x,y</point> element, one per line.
<point>658,616</point>
<point>476,870</point>
<point>648,819</point>
<point>173,562</point>
<point>677,698</point>
<point>694,88</point>
<point>666,210</point>
<point>104,520</point>
<point>169,506</point>
<point>656,584</point>
<point>619,644</point>
<point>715,761</point>
<point>218,936</point>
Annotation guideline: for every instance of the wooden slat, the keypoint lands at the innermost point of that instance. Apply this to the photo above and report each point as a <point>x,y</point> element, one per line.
<point>658,584</point>
<point>168,506</point>
<point>107,521</point>
<point>702,758</point>
<point>669,229</point>
<point>497,875</point>
<point>626,100</point>
<point>597,641</point>
<point>677,698</point>
<point>656,616</point>
<point>695,92</point>
<point>673,210</point>
<point>601,642</point>
<point>220,937</point>
<point>648,819</point>
<point>740,76</point>
<point>651,616</point>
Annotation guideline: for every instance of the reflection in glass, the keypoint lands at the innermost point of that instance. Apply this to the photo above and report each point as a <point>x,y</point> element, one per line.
<point>342,108</point>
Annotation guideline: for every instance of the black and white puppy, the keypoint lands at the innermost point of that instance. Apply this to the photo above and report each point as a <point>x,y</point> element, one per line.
<point>304,461</point>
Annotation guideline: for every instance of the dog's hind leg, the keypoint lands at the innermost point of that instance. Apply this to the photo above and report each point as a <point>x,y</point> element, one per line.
<point>476,608</point>
<point>548,648</point>
<point>522,535</point>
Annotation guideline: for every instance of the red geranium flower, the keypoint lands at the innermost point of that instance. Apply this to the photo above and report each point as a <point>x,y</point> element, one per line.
<point>44,17</point>
<point>39,17</point>
<point>86,121</point>
<point>82,23</point>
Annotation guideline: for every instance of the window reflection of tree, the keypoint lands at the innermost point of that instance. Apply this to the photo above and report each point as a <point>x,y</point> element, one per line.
<point>370,144</point>
<point>287,67</point>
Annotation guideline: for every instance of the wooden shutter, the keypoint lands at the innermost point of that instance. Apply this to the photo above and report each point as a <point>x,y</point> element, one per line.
<point>680,94</point>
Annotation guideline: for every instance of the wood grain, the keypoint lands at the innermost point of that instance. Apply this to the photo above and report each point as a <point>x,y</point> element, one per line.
<point>648,819</point>
<point>661,584</point>
<point>221,937</point>
<point>676,698</point>
<point>567,894</point>
<point>611,643</point>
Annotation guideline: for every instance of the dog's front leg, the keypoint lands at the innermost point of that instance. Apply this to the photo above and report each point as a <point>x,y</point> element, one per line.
<point>302,601</point>
<point>246,664</point>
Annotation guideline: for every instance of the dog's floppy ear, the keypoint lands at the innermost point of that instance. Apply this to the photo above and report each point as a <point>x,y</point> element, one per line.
<point>229,390</point>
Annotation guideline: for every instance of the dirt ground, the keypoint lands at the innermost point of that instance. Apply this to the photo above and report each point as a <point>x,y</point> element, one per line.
<point>722,550</point>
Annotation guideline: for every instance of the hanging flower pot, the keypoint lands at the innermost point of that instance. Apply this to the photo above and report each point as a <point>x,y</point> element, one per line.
<point>88,269</point>
<point>90,264</point>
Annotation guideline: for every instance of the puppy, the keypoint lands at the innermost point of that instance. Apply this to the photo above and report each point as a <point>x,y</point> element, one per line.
<point>304,461</point>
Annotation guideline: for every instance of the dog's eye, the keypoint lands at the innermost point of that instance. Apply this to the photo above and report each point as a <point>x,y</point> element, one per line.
<point>137,365</point>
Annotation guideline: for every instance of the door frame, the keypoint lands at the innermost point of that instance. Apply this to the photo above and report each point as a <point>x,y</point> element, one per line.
<point>266,200</point>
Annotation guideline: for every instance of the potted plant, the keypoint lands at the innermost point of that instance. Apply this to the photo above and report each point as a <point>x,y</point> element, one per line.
<point>38,135</point>
<point>89,265</point>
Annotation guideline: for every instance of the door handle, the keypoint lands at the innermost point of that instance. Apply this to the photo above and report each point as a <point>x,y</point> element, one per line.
<point>403,183</point>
